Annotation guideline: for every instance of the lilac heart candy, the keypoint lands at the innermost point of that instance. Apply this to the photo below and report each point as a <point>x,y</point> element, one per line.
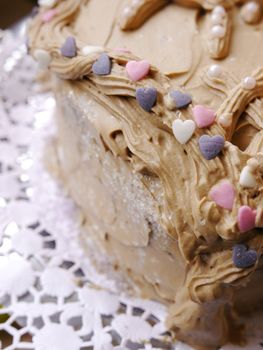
<point>243,257</point>
<point>102,66</point>
<point>210,146</point>
<point>180,99</point>
<point>146,98</point>
<point>69,48</point>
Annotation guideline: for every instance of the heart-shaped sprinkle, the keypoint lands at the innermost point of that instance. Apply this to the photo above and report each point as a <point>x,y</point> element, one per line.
<point>146,97</point>
<point>137,70</point>
<point>211,146</point>
<point>47,3</point>
<point>203,116</point>
<point>183,130</point>
<point>223,194</point>
<point>69,48</point>
<point>49,15</point>
<point>247,179</point>
<point>102,66</point>
<point>180,99</point>
<point>244,257</point>
<point>246,218</point>
<point>43,58</point>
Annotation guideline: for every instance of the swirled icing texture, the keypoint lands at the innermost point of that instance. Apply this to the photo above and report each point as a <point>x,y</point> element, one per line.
<point>174,41</point>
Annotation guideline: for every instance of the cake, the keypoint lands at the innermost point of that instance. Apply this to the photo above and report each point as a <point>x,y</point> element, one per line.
<point>160,144</point>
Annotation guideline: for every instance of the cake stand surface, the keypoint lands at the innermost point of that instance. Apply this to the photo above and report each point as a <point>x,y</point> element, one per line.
<point>51,297</point>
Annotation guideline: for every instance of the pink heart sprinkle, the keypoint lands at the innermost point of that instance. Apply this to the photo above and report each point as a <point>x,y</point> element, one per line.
<point>48,15</point>
<point>223,194</point>
<point>246,218</point>
<point>203,116</point>
<point>137,70</point>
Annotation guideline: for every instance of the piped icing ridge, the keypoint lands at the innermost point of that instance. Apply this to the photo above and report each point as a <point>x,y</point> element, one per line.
<point>218,20</point>
<point>191,156</point>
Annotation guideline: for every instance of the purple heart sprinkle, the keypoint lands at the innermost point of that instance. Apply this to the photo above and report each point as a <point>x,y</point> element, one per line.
<point>211,146</point>
<point>180,99</point>
<point>69,48</point>
<point>102,66</point>
<point>146,98</point>
<point>244,257</point>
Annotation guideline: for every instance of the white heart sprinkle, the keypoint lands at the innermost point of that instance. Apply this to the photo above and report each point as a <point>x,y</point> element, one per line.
<point>47,3</point>
<point>43,58</point>
<point>87,50</point>
<point>183,130</point>
<point>247,179</point>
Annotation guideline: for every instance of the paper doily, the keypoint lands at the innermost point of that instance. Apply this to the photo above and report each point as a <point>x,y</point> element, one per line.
<point>47,295</point>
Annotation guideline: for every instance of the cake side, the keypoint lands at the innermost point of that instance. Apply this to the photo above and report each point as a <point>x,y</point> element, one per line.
<point>120,205</point>
<point>100,174</point>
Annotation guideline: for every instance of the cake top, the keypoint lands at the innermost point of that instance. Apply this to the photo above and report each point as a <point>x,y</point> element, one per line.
<point>184,83</point>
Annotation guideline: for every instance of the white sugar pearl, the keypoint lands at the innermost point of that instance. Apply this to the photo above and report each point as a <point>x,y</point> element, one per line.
<point>251,12</point>
<point>248,83</point>
<point>218,31</point>
<point>87,50</point>
<point>247,178</point>
<point>216,19</point>
<point>214,71</point>
<point>47,3</point>
<point>137,2</point>
<point>252,6</point>
<point>127,11</point>
<point>225,120</point>
<point>219,10</point>
<point>43,58</point>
